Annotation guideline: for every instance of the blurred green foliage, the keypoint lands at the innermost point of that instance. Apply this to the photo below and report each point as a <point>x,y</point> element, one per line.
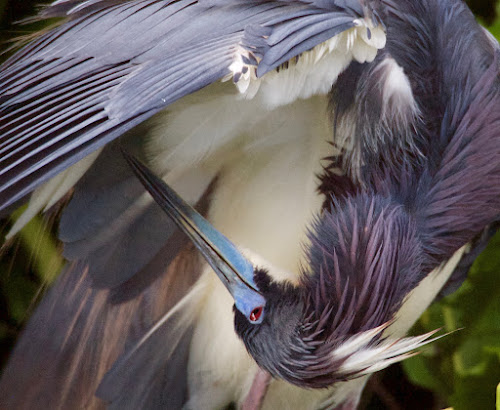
<point>498,397</point>
<point>462,369</point>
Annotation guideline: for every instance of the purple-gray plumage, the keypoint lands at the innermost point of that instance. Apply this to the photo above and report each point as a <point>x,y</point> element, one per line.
<point>84,83</point>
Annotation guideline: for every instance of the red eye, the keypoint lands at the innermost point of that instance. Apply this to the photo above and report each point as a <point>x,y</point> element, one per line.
<point>256,313</point>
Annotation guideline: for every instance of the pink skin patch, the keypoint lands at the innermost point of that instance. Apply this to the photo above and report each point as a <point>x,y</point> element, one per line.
<point>257,392</point>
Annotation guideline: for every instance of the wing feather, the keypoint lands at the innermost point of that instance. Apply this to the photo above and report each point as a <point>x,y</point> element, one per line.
<point>150,358</point>
<point>83,330</point>
<point>112,226</point>
<point>113,64</point>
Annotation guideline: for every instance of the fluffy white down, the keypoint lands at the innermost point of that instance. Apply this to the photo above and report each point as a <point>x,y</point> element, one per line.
<point>266,198</point>
<point>314,72</point>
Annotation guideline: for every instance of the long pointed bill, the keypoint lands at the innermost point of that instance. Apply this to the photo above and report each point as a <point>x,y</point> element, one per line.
<point>233,269</point>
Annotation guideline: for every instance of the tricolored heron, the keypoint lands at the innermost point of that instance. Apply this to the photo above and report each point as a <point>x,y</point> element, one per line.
<point>410,179</point>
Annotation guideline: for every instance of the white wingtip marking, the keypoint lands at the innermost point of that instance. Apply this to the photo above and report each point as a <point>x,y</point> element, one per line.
<point>313,72</point>
<point>244,74</point>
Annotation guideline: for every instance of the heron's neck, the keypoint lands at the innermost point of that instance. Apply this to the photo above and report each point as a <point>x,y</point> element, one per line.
<point>365,257</point>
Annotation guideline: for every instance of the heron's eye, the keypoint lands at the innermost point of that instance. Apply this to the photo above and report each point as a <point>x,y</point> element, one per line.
<point>256,314</point>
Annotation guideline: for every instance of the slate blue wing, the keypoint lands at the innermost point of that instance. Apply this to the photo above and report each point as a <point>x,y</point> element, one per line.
<point>113,64</point>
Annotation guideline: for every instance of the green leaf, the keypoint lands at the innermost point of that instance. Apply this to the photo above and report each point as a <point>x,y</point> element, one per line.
<point>498,396</point>
<point>419,373</point>
<point>38,241</point>
<point>476,392</point>
<point>464,368</point>
<point>495,28</point>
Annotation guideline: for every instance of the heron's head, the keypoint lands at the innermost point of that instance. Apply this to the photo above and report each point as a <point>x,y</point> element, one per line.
<point>364,259</point>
